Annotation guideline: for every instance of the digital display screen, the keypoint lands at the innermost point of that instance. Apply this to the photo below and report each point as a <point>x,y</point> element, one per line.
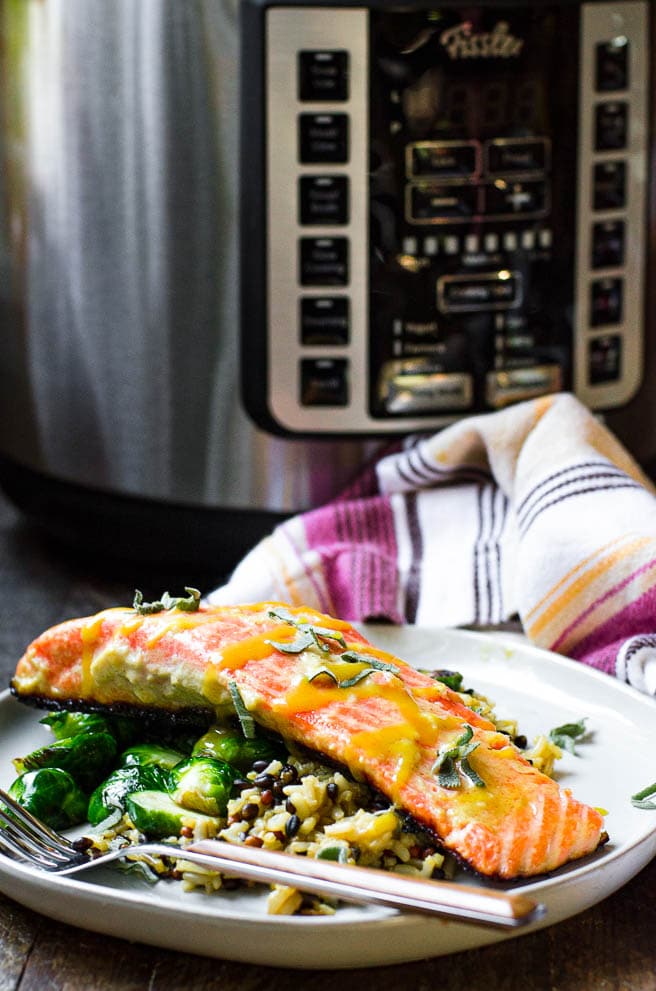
<point>466,73</point>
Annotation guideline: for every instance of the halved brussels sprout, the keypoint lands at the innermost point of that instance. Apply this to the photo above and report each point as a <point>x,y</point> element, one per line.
<point>231,746</point>
<point>110,796</point>
<point>151,755</point>
<point>87,757</point>
<point>51,795</point>
<point>156,814</point>
<point>203,784</point>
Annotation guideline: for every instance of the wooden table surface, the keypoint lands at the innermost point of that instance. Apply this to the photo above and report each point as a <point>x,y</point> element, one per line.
<point>611,947</point>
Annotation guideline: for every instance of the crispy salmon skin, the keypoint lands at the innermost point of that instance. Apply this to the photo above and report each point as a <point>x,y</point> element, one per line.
<point>316,680</point>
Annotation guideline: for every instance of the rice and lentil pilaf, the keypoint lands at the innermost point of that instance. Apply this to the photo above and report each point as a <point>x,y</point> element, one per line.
<point>305,806</point>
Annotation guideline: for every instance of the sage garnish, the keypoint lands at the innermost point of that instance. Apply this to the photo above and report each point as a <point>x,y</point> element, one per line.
<point>167,602</point>
<point>353,657</point>
<point>321,671</point>
<point>308,634</point>
<point>296,646</point>
<point>452,761</point>
<point>246,721</point>
<point>360,676</point>
<point>566,736</point>
<point>641,799</point>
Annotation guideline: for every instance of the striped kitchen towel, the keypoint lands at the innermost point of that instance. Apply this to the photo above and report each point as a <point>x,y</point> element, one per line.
<point>536,511</point>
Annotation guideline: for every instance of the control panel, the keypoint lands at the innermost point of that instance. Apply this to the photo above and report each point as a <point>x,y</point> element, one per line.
<point>454,210</point>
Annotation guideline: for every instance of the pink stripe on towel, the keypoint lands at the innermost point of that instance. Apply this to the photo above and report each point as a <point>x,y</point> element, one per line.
<point>356,542</point>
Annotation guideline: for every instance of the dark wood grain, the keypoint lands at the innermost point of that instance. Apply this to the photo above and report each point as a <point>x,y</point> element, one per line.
<point>611,947</point>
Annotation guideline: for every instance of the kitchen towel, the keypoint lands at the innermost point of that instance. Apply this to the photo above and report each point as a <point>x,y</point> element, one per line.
<point>536,510</point>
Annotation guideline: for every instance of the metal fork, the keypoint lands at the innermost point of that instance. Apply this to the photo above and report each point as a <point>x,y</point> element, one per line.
<point>25,839</point>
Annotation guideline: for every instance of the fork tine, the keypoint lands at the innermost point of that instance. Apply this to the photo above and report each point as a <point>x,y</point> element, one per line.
<point>16,836</point>
<point>21,819</point>
<point>14,846</point>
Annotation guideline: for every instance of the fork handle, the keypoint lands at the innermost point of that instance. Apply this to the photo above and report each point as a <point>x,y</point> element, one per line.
<point>364,884</point>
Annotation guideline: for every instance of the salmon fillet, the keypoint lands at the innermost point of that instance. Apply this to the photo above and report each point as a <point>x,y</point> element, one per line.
<point>316,680</point>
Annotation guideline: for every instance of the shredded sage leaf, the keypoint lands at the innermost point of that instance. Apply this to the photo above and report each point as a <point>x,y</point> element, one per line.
<point>308,633</point>
<point>360,676</point>
<point>641,799</point>
<point>325,671</point>
<point>353,657</point>
<point>567,735</point>
<point>448,776</point>
<point>452,759</point>
<point>246,721</point>
<point>167,602</point>
<point>471,774</point>
<point>295,646</point>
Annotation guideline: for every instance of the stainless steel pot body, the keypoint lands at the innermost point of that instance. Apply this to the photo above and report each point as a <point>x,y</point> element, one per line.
<point>118,259</point>
<point>118,263</point>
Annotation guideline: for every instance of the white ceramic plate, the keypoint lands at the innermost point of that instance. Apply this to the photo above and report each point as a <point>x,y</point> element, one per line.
<point>542,690</point>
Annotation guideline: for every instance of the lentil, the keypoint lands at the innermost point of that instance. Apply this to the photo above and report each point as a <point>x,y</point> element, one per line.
<point>288,774</point>
<point>264,781</point>
<point>293,826</point>
<point>250,811</point>
<point>255,841</point>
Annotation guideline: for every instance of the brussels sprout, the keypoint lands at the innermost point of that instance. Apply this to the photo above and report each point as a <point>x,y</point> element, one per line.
<point>64,725</point>
<point>156,814</point>
<point>231,746</point>
<point>111,795</point>
<point>203,784</point>
<point>151,754</point>
<point>52,796</point>
<point>87,757</point>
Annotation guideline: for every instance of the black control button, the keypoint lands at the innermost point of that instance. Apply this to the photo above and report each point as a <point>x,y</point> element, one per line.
<point>511,385</point>
<point>611,125</point>
<point>324,261</point>
<point>516,198</point>
<point>605,359</point>
<point>608,243</point>
<point>421,385</point>
<point>428,203</point>
<point>606,302</point>
<point>324,382</point>
<point>323,138</point>
<point>323,199</point>
<point>443,159</point>
<point>463,293</point>
<point>612,65</point>
<point>609,186</point>
<point>323,76</point>
<point>324,320</point>
<point>510,155</point>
